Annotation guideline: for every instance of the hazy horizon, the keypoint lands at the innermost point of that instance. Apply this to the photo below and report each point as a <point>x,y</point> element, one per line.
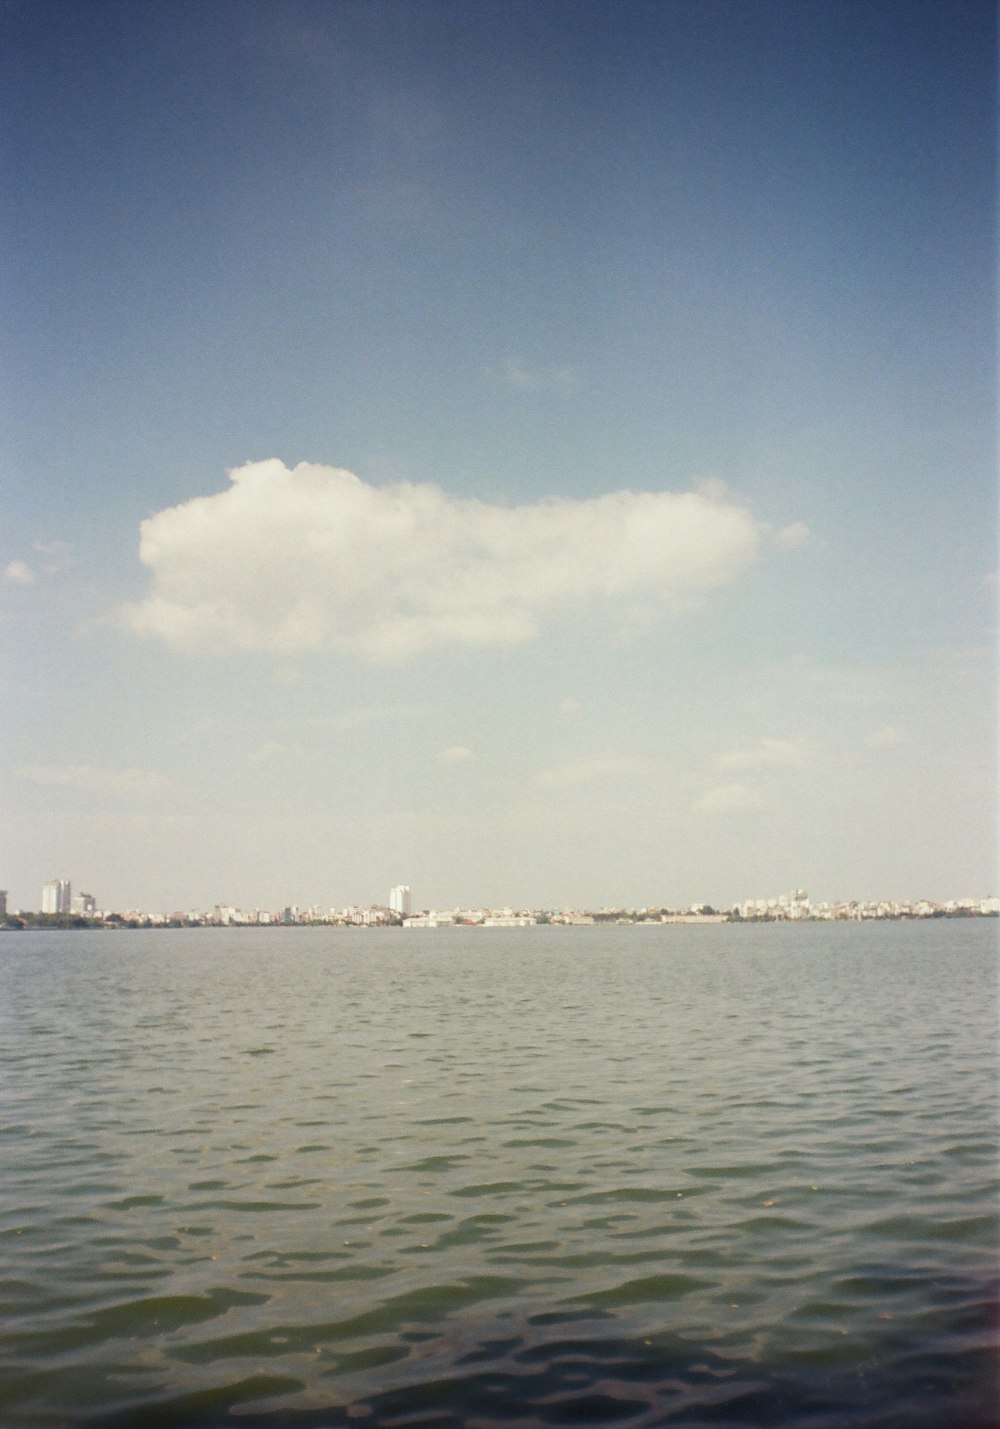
<point>540,453</point>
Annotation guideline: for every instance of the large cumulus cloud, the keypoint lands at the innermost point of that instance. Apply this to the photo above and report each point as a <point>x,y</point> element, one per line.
<point>315,559</point>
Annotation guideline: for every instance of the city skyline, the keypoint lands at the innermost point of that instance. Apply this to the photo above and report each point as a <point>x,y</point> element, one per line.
<point>545,448</point>
<point>57,899</point>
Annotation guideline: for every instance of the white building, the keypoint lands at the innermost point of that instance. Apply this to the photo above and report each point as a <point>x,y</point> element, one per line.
<point>86,904</point>
<point>399,900</point>
<point>57,896</point>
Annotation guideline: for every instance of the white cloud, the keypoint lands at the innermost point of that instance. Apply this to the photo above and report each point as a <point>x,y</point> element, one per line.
<point>730,798</point>
<point>766,754</point>
<point>316,559</point>
<point>18,573</point>
<point>140,784</point>
<point>530,378</point>
<point>456,754</point>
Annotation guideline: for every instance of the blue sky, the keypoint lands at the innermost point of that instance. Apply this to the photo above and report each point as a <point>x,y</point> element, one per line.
<point>498,261</point>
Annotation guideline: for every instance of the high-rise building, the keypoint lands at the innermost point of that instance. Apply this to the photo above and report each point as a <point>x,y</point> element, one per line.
<point>3,902</point>
<point>86,904</point>
<point>399,900</point>
<point>57,896</point>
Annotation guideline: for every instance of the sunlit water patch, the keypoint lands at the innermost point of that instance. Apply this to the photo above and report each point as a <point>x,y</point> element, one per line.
<point>307,1177</point>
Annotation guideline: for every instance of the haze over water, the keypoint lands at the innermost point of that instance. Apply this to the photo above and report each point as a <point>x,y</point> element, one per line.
<point>718,1176</point>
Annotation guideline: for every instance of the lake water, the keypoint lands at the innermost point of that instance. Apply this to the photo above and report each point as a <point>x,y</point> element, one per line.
<point>632,1176</point>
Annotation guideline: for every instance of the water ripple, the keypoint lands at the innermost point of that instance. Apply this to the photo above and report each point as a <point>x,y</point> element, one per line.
<point>587,1179</point>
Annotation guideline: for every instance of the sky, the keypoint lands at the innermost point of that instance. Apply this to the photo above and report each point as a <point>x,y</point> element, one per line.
<point>542,453</point>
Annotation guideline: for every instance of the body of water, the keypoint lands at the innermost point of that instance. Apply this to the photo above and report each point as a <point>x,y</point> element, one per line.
<point>633,1176</point>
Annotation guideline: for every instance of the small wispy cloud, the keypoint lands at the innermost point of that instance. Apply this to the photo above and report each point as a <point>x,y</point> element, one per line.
<point>530,377</point>
<point>130,783</point>
<point>590,769</point>
<point>730,799</point>
<point>268,749</point>
<point>371,716</point>
<point>18,573</point>
<point>791,538</point>
<point>456,754</point>
<point>889,736</point>
<point>56,555</point>
<point>766,754</point>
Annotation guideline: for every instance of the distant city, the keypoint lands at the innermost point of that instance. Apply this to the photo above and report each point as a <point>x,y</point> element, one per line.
<point>62,908</point>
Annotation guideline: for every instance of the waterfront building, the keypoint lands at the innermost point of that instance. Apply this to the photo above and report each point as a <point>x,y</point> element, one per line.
<point>399,900</point>
<point>85,903</point>
<point>430,920</point>
<point>3,902</point>
<point>57,896</point>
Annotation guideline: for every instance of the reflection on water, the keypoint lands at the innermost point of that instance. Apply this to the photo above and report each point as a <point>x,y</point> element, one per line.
<point>545,1176</point>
